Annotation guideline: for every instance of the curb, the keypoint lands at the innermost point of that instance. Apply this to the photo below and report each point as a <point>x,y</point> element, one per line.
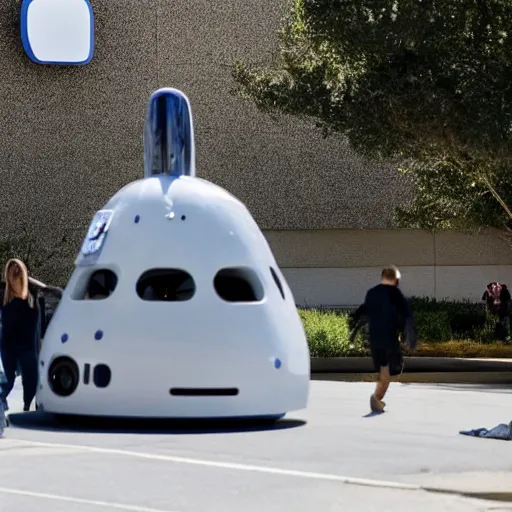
<point>475,378</point>
<point>353,365</point>
<point>420,370</point>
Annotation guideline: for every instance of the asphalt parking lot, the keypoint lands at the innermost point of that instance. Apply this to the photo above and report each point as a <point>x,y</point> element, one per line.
<point>301,463</point>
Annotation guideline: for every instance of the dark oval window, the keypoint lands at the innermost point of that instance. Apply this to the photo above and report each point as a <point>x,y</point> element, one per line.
<point>166,284</point>
<point>101,285</point>
<point>96,284</point>
<point>238,285</point>
<point>277,281</point>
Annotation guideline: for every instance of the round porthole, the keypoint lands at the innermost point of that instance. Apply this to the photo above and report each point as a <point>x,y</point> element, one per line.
<point>63,376</point>
<point>101,375</point>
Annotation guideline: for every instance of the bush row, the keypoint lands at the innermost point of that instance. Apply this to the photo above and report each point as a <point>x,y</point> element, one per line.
<point>445,328</point>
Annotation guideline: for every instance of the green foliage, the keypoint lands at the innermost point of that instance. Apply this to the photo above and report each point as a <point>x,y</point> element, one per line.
<point>328,334</point>
<point>437,322</point>
<point>433,326</point>
<point>464,198</point>
<point>428,82</point>
<point>465,319</point>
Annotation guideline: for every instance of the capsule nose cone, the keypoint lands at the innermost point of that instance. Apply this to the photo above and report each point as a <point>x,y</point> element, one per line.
<point>169,135</point>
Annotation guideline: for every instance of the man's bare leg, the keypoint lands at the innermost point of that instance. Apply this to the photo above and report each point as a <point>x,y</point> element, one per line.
<point>380,389</point>
<point>383,382</point>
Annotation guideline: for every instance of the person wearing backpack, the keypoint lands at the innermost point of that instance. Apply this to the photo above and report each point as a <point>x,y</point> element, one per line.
<point>497,297</point>
<point>387,312</point>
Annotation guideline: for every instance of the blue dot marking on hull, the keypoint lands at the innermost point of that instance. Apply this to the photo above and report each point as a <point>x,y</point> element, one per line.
<point>137,218</point>
<point>277,363</point>
<point>64,338</point>
<point>98,335</point>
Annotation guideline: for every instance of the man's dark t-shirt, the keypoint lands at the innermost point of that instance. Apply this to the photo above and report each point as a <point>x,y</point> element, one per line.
<point>386,309</point>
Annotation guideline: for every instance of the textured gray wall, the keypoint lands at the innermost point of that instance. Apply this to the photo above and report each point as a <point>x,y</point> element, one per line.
<point>72,136</point>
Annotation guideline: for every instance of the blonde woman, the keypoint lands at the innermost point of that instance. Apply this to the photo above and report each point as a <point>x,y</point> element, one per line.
<point>19,326</point>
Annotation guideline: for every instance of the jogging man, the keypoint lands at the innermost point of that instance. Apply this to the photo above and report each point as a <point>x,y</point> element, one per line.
<point>388,314</point>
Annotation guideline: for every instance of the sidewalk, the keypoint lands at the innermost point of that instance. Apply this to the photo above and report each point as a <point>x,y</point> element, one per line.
<point>483,485</point>
<point>415,446</point>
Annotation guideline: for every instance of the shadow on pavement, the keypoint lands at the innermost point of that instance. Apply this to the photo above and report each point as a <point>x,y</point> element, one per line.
<point>44,421</point>
<point>373,414</point>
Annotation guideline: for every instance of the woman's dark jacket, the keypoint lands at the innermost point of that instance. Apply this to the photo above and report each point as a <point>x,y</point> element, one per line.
<point>19,325</point>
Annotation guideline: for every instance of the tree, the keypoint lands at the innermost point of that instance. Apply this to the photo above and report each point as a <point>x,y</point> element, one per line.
<point>426,81</point>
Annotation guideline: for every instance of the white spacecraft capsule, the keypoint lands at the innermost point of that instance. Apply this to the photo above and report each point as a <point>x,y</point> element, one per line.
<point>176,307</point>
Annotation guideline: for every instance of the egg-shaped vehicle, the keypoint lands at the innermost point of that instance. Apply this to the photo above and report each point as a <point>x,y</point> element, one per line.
<point>176,307</point>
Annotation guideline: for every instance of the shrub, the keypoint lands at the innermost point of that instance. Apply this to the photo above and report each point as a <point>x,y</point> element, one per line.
<point>433,326</point>
<point>449,329</point>
<point>466,319</point>
<point>470,349</point>
<point>328,334</point>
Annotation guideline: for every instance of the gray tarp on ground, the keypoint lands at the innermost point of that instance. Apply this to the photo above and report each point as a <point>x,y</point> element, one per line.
<point>502,431</point>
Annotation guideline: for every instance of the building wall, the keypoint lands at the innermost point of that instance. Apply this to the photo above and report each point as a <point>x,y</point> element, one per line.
<point>336,267</point>
<point>72,136</point>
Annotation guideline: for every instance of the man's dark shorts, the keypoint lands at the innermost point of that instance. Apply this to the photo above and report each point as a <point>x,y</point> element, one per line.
<point>385,356</point>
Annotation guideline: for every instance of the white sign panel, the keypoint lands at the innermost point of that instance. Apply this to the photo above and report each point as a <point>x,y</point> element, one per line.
<point>58,31</point>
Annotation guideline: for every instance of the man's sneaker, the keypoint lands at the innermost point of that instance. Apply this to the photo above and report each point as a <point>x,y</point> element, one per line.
<point>376,405</point>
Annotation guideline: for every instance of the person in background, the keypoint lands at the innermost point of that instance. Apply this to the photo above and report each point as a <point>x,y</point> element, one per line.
<point>39,292</point>
<point>18,334</point>
<point>498,299</point>
<point>388,314</point>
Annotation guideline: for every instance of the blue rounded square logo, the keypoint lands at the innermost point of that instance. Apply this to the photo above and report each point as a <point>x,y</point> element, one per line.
<point>58,32</point>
